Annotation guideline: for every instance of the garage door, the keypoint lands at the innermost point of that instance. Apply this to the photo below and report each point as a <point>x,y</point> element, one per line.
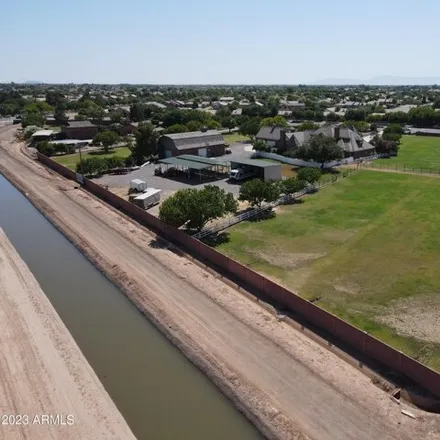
<point>203,152</point>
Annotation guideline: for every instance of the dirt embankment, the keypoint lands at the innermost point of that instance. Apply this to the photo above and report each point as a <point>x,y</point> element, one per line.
<point>288,385</point>
<point>47,388</point>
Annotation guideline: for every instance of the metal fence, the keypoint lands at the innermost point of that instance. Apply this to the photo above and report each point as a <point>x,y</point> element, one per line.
<point>256,212</point>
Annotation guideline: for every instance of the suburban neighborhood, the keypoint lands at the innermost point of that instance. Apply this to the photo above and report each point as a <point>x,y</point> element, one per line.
<point>219,221</point>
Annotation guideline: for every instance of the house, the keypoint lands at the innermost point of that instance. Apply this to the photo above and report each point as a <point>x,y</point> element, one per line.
<point>292,105</point>
<point>216,105</point>
<point>50,120</point>
<point>80,130</point>
<point>347,138</point>
<point>275,137</point>
<point>156,104</point>
<point>198,143</point>
<point>174,103</point>
<point>237,112</point>
<point>227,99</point>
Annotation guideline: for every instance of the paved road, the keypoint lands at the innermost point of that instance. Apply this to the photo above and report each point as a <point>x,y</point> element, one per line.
<point>292,386</point>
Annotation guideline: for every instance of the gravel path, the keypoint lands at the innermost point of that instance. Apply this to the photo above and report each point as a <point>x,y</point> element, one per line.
<point>288,385</point>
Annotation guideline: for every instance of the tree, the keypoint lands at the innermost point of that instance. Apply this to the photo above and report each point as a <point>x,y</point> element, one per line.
<point>146,143</point>
<point>212,124</point>
<point>46,148</point>
<point>60,116</point>
<point>307,126</point>
<point>32,119</point>
<point>106,138</point>
<point>309,175</point>
<point>320,149</point>
<point>194,126</point>
<point>292,185</point>
<point>91,166</point>
<point>176,128</point>
<point>250,128</point>
<point>261,146</point>
<point>136,113</point>
<point>195,207</point>
<point>257,191</point>
<point>228,122</point>
<point>276,121</point>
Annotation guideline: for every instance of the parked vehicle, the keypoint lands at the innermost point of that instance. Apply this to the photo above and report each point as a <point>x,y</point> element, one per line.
<point>240,174</point>
<point>138,185</point>
<point>148,198</point>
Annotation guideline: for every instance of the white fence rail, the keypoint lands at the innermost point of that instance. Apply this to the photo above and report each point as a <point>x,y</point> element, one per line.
<point>256,212</point>
<point>303,163</point>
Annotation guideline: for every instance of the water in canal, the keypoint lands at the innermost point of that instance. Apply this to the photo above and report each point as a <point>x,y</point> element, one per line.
<point>161,395</point>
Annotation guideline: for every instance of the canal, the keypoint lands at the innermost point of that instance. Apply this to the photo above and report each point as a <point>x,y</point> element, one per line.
<point>158,391</point>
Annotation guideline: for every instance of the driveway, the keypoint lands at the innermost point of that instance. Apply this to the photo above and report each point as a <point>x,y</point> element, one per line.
<point>146,173</point>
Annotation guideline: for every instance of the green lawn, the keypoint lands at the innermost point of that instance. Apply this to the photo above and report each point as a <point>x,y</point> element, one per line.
<point>70,160</point>
<point>234,137</point>
<point>416,152</point>
<point>366,248</point>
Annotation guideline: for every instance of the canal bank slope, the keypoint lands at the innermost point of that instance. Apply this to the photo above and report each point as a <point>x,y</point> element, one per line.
<point>289,386</point>
<point>42,370</point>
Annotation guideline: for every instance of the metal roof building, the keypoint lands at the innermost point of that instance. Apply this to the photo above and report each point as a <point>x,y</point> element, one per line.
<point>263,169</point>
<point>200,143</point>
<point>177,161</point>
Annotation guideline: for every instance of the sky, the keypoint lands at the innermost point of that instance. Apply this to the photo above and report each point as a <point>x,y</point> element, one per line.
<point>221,42</point>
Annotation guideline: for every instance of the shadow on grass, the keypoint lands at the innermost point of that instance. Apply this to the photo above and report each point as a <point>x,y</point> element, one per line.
<point>217,239</point>
<point>265,215</point>
<point>99,152</point>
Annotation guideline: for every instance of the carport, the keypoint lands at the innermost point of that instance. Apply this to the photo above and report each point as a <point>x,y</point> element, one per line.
<point>219,166</point>
<point>183,166</point>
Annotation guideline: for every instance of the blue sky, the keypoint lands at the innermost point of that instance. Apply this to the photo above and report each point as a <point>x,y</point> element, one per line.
<point>226,42</point>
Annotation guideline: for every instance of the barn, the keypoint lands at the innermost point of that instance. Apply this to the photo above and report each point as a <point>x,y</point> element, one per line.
<point>207,143</point>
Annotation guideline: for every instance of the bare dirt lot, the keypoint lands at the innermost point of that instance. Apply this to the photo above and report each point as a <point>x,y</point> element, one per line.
<point>42,370</point>
<point>288,385</point>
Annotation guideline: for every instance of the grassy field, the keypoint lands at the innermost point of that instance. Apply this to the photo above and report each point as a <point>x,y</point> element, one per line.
<point>70,160</point>
<point>234,137</point>
<point>366,249</point>
<point>416,152</point>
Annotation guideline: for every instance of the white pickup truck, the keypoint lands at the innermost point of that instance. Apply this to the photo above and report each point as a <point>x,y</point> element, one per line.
<point>239,174</point>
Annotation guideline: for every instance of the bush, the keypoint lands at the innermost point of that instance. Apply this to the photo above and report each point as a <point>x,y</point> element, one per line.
<point>114,162</point>
<point>46,148</point>
<point>92,166</point>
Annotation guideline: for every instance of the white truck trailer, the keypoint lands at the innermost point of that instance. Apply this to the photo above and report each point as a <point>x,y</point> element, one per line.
<point>138,185</point>
<point>148,198</point>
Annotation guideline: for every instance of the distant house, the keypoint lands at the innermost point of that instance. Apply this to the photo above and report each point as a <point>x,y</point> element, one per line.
<point>237,112</point>
<point>174,103</point>
<point>156,104</point>
<point>207,144</point>
<point>216,105</point>
<point>80,130</point>
<point>50,120</point>
<point>347,138</point>
<point>227,99</point>
<point>291,105</point>
<point>275,137</point>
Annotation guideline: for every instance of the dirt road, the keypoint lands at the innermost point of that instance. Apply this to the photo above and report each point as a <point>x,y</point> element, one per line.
<point>289,386</point>
<point>42,371</point>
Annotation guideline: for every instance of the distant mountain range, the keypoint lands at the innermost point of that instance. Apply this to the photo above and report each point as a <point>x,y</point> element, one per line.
<point>380,81</point>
